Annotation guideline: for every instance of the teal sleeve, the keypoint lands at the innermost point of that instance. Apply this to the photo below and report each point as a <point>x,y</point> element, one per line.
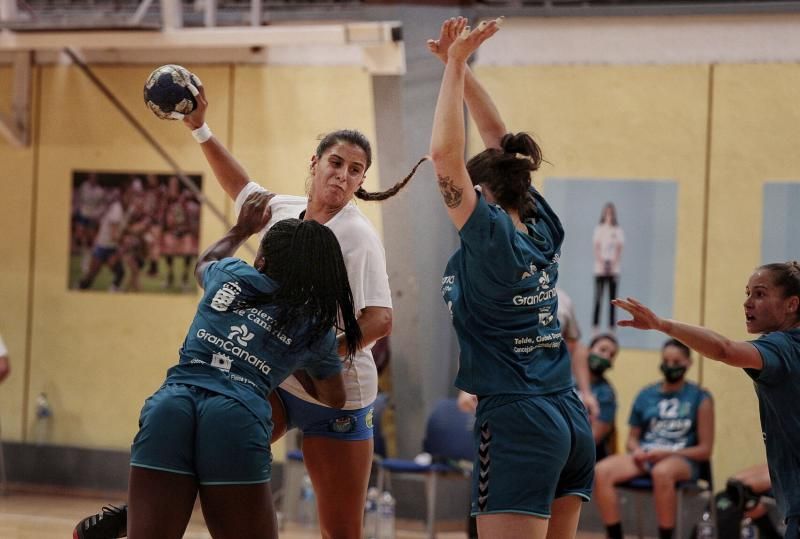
<point>325,362</point>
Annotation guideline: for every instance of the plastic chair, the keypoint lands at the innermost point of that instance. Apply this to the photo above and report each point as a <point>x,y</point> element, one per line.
<point>293,477</point>
<point>449,441</point>
<point>704,486</point>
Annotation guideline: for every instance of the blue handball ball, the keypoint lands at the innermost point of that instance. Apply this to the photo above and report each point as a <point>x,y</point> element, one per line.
<point>167,91</point>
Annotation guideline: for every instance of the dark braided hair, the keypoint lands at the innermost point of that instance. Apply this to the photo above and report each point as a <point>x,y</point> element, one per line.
<point>786,276</point>
<point>393,190</point>
<point>356,138</point>
<point>506,171</point>
<point>305,259</point>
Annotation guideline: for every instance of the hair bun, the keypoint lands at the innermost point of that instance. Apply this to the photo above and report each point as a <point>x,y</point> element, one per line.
<point>522,146</point>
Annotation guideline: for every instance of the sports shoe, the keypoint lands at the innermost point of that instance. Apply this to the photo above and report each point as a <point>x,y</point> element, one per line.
<point>110,523</point>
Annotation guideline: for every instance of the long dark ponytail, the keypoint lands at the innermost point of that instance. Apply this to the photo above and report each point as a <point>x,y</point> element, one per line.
<point>305,259</point>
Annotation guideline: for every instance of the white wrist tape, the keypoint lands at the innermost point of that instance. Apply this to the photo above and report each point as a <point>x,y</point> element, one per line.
<point>202,133</point>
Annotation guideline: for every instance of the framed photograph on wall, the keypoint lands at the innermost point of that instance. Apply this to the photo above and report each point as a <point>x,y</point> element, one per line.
<point>133,232</point>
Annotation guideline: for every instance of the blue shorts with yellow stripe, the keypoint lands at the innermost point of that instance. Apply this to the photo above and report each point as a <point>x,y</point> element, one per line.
<point>193,431</point>
<point>317,420</point>
<point>531,450</point>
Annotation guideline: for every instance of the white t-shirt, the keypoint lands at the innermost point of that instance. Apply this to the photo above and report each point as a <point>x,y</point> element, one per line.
<point>566,317</point>
<point>365,260</point>
<point>91,200</point>
<point>111,219</point>
<point>608,241</point>
<point>3,349</point>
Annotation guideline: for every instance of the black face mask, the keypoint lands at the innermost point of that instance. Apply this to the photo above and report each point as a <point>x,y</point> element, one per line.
<point>673,374</point>
<point>598,364</point>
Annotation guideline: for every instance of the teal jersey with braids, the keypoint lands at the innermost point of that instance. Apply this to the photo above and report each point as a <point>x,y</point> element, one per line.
<point>232,346</point>
<point>777,386</point>
<point>500,287</point>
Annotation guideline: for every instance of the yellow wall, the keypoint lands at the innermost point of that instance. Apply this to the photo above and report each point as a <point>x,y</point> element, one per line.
<point>756,127</point>
<point>99,355</point>
<point>16,193</point>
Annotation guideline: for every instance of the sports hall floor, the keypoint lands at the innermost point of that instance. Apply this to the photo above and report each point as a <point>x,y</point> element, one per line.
<point>37,516</point>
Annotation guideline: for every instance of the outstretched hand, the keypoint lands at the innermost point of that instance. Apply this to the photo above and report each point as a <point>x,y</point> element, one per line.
<point>197,117</point>
<point>255,212</point>
<point>468,40</point>
<point>643,317</point>
<point>451,29</point>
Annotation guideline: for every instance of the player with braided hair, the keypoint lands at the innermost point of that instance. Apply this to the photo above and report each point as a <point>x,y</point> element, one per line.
<point>772,309</point>
<point>207,430</point>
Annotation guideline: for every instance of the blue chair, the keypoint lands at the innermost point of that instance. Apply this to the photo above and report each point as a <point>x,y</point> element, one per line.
<point>295,468</point>
<point>703,486</point>
<point>448,439</point>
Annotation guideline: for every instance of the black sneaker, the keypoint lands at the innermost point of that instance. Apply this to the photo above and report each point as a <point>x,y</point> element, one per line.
<point>110,523</point>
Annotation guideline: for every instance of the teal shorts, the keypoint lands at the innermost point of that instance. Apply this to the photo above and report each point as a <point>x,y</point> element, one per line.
<point>531,450</point>
<point>193,431</point>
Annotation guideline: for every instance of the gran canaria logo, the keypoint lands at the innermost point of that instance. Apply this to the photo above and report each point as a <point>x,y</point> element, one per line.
<point>241,335</point>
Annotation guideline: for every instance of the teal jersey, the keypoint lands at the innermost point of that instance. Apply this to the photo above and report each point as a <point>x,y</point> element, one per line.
<point>778,386</point>
<point>668,420</point>
<point>606,398</point>
<point>236,350</point>
<point>500,287</point>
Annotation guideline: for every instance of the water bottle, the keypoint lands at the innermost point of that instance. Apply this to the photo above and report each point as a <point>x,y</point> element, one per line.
<point>371,514</point>
<point>307,507</point>
<point>705,528</point>
<point>748,529</point>
<point>386,516</point>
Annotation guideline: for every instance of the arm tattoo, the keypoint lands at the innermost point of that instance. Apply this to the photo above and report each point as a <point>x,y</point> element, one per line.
<point>451,193</point>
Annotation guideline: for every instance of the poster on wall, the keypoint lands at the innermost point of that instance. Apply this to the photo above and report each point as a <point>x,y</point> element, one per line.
<point>133,232</point>
<point>619,242</point>
<point>779,239</point>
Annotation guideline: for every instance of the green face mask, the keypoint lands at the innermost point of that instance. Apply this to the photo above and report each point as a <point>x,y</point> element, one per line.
<point>673,374</point>
<point>598,364</point>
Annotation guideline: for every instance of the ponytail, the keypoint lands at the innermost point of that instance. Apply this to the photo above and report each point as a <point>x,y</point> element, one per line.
<point>362,194</point>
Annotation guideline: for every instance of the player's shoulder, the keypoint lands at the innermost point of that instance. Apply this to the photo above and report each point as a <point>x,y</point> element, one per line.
<point>352,221</point>
<point>288,200</point>
<point>650,390</point>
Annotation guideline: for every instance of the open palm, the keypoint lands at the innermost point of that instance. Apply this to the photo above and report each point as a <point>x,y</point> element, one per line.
<point>643,317</point>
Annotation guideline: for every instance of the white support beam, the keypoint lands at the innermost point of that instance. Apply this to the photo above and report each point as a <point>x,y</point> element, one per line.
<point>16,127</point>
<point>141,11</point>
<point>171,14</point>
<point>255,12</point>
<point>8,10</point>
<point>362,34</point>
<point>210,13</point>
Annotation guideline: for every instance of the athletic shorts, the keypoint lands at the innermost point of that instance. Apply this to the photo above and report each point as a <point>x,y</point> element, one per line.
<point>189,430</point>
<point>531,450</point>
<point>694,468</point>
<point>104,253</point>
<point>315,420</point>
